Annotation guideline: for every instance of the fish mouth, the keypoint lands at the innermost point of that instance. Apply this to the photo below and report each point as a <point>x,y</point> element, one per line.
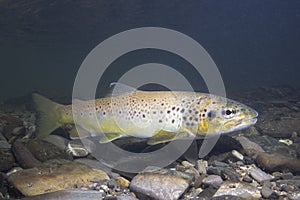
<point>241,124</point>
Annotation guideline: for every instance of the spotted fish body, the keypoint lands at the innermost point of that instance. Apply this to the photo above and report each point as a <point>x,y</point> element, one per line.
<point>159,115</point>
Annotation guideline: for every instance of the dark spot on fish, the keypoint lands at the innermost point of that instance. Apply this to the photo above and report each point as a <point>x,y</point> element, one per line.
<point>196,119</point>
<point>191,118</point>
<point>97,108</point>
<point>162,104</point>
<point>233,111</point>
<point>184,118</point>
<point>168,111</point>
<point>154,99</point>
<point>173,121</point>
<point>190,111</point>
<point>143,116</point>
<point>154,112</point>
<point>203,115</point>
<point>160,121</point>
<point>213,102</point>
<point>104,113</point>
<point>173,108</point>
<point>211,114</point>
<point>196,112</point>
<point>188,124</point>
<point>182,110</point>
<point>192,124</point>
<point>205,110</point>
<point>177,109</point>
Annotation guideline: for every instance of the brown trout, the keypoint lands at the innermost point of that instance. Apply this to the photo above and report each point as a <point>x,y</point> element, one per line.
<point>161,116</point>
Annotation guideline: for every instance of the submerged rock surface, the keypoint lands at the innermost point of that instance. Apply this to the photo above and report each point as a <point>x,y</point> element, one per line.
<point>54,175</point>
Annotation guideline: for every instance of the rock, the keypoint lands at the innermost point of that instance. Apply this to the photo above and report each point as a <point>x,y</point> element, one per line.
<point>70,194</point>
<point>219,164</point>
<point>230,175</point>
<point>12,126</point>
<point>274,162</point>
<point>238,189</point>
<point>259,175</point>
<point>207,193</point>
<point>237,155</point>
<point>201,166</point>
<point>158,186</point>
<point>251,148</point>
<point>288,175</point>
<point>7,160</point>
<point>54,175</point>
<point>228,197</point>
<point>120,198</point>
<point>24,156</point>
<point>122,182</point>
<point>44,151</point>
<point>187,164</point>
<point>268,193</point>
<point>4,145</point>
<point>212,180</point>
<point>247,179</point>
<point>58,141</point>
<point>77,149</point>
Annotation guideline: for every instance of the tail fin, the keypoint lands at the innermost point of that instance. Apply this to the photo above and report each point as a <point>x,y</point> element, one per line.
<point>48,115</point>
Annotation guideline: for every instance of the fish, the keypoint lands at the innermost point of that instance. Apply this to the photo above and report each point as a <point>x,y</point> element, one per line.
<point>159,116</point>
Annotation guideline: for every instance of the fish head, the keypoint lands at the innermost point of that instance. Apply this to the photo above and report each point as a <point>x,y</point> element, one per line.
<point>224,116</point>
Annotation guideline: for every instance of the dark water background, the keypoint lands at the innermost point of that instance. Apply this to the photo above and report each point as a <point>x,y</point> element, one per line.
<point>43,42</point>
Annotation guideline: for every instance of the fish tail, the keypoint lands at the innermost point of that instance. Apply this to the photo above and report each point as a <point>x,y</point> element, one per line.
<point>49,115</point>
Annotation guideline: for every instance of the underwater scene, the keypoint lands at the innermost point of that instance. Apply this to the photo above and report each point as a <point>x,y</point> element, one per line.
<point>160,100</point>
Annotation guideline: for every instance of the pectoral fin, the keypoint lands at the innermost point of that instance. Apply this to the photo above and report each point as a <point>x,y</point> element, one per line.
<point>78,132</point>
<point>108,137</point>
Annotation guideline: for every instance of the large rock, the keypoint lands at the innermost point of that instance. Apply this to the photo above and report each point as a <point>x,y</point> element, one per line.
<point>159,186</point>
<point>275,162</point>
<point>238,189</point>
<point>43,150</point>
<point>54,175</point>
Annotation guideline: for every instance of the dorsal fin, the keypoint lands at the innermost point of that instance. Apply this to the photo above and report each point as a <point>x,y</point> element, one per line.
<point>120,88</point>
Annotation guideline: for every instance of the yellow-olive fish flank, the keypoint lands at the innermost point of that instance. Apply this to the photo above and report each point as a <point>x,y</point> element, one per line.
<point>161,116</point>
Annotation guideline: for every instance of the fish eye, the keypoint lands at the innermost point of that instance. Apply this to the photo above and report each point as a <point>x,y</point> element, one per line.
<point>228,113</point>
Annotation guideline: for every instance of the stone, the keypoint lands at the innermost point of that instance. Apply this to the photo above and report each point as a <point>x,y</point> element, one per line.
<point>57,140</point>
<point>247,179</point>
<point>251,148</point>
<point>77,149</point>
<point>259,175</point>
<point>54,175</point>
<point>274,162</point>
<point>43,150</point>
<point>69,194</point>
<point>212,180</point>
<point>201,166</point>
<point>120,198</point>
<point>24,156</point>
<point>228,197</point>
<point>237,155</point>
<point>238,189</point>
<point>268,193</point>
<point>7,160</point>
<point>122,182</point>
<point>159,186</point>
<point>216,163</point>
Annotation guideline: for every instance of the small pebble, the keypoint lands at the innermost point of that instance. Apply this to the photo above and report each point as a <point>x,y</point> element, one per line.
<point>219,164</point>
<point>247,179</point>
<point>268,193</point>
<point>288,175</point>
<point>201,166</point>
<point>259,175</point>
<point>212,180</point>
<point>237,154</point>
<point>187,164</point>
